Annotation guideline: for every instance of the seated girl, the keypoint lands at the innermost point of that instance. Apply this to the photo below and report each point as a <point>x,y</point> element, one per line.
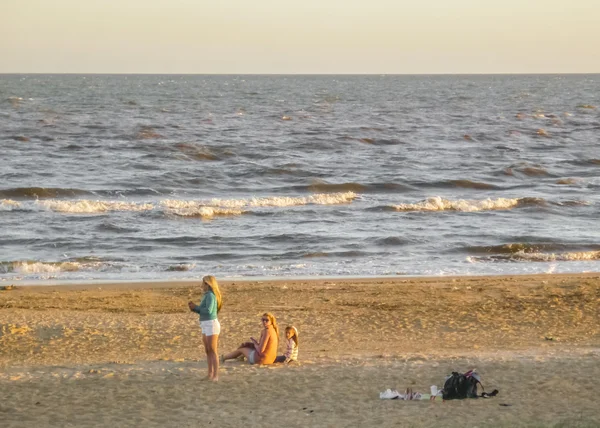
<point>291,353</point>
<point>262,351</point>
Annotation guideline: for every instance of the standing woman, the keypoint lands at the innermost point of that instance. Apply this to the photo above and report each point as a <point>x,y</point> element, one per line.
<point>209,307</point>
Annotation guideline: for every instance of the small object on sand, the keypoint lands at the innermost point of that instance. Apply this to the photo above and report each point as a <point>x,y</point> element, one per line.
<point>8,287</point>
<point>505,404</point>
<point>548,338</point>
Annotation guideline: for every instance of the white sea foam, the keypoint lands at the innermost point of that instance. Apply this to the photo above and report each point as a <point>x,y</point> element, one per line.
<point>46,268</point>
<point>203,211</point>
<point>88,207</point>
<point>521,256</point>
<point>208,208</point>
<point>8,204</point>
<point>565,257</point>
<point>436,203</point>
<point>273,201</point>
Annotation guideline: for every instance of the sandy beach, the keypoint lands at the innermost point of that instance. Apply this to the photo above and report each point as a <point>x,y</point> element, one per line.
<point>128,354</point>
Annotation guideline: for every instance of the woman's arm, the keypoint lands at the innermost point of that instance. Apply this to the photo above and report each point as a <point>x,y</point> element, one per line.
<point>262,344</point>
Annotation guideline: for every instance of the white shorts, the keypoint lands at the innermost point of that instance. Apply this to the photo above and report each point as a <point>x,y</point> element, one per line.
<point>210,327</point>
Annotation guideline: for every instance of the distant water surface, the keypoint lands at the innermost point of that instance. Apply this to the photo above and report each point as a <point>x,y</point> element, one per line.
<point>136,177</point>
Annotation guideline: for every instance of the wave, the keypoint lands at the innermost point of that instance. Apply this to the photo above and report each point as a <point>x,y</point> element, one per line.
<point>181,267</point>
<point>332,254</point>
<point>204,211</point>
<point>523,247</point>
<point>9,205</point>
<point>29,267</point>
<point>272,201</point>
<point>527,169</point>
<point>91,207</point>
<point>522,256</point>
<point>41,192</point>
<point>300,238</point>
<point>342,187</point>
<point>199,152</point>
<point>586,162</point>
<point>112,227</point>
<point>147,133</point>
<point>377,141</point>
<point>207,208</point>
<point>392,241</point>
<point>461,184</point>
<point>437,203</point>
<point>385,187</point>
<point>468,184</point>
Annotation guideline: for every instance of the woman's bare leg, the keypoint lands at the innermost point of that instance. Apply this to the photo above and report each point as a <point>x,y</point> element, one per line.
<point>206,343</point>
<point>212,356</point>
<point>233,355</point>
<point>237,353</point>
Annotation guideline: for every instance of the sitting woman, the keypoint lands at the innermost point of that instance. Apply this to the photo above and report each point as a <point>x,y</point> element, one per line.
<point>263,351</point>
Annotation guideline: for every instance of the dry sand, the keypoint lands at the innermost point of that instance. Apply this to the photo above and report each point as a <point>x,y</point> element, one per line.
<point>129,354</point>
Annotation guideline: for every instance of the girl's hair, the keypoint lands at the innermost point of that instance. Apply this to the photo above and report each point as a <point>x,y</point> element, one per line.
<point>273,322</point>
<point>212,283</point>
<point>295,335</point>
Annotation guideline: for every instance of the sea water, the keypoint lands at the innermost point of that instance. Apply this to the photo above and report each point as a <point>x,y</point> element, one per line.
<point>140,177</point>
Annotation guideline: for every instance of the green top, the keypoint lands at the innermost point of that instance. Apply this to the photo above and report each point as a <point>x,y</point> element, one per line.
<point>207,307</point>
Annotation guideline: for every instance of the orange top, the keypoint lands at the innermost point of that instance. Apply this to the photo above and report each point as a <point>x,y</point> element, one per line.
<point>267,346</point>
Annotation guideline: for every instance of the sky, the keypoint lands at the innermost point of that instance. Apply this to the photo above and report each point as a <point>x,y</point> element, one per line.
<point>300,37</point>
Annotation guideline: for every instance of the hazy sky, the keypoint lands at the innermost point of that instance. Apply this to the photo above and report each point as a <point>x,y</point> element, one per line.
<point>305,36</point>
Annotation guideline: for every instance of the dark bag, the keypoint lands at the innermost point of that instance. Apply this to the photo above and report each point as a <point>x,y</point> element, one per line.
<point>459,386</point>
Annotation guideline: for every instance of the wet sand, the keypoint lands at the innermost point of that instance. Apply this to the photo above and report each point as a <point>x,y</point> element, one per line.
<point>129,354</point>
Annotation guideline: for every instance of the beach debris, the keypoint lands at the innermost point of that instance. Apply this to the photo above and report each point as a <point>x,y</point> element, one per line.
<point>548,338</point>
<point>8,287</point>
<point>410,395</point>
<point>286,118</point>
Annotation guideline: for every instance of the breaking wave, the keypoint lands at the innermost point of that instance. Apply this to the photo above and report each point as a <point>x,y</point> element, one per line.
<point>204,211</point>
<point>522,256</point>
<point>228,207</point>
<point>8,205</point>
<point>522,247</point>
<point>29,267</point>
<point>89,207</point>
<point>207,208</point>
<point>437,203</point>
<point>273,201</point>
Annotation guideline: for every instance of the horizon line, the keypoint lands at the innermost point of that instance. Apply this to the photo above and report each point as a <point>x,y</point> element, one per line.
<point>299,74</point>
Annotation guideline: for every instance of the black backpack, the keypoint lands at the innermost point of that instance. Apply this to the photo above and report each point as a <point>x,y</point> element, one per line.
<point>459,386</point>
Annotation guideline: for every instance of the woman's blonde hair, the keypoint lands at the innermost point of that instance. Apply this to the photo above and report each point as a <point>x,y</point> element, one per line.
<point>212,283</point>
<point>295,330</point>
<point>273,323</point>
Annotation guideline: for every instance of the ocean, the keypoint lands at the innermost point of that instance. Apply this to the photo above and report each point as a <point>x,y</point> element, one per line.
<point>170,177</point>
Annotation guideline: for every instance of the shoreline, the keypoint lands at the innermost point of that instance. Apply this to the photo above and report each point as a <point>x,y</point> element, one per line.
<point>160,283</point>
